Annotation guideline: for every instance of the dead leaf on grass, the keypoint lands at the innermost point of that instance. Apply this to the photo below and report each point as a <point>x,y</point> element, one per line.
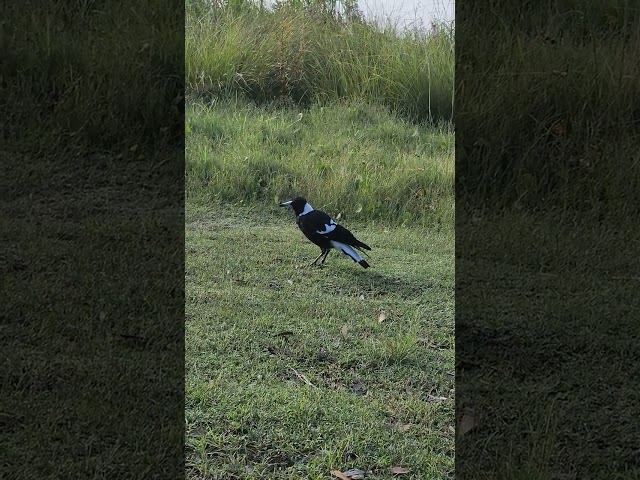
<point>344,330</point>
<point>382,316</point>
<point>358,388</point>
<point>354,474</point>
<point>338,473</point>
<point>399,470</point>
<point>433,398</point>
<point>467,423</point>
<point>361,297</point>
<point>402,427</point>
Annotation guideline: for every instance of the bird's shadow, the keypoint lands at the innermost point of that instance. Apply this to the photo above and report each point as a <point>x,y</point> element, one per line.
<point>376,284</point>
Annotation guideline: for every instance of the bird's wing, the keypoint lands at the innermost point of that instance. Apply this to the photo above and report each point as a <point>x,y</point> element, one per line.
<point>322,223</point>
<point>338,233</point>
<point>327,228</point>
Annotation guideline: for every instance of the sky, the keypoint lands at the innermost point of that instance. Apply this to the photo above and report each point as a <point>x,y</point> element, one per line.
<point>407,12</point>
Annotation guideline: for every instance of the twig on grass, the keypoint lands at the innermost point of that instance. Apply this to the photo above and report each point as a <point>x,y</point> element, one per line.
<point>303,378</point>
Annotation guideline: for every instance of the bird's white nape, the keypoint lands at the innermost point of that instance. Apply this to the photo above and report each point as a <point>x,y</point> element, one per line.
<point>307,208</point>
<point>346,249</point>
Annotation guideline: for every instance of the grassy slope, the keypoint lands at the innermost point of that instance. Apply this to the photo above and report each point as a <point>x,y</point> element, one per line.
<point>367,162</point>
<point>249,415</point>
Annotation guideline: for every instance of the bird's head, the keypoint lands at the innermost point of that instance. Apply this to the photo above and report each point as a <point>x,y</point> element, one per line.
<point>298,205</point>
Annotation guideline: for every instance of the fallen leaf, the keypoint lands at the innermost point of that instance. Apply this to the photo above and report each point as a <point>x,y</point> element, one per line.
<point>338,473</point>
<point>382,317</point>
<point>467,422</point>
<point>361,297</point>
<point>290,282</point>
<point>402,427</point>
<point>358,388</point>
<point>344,330</point>
<point>432,398</point>
<point>354,474</point>
<point>399,470</point>
<point>452,429</point>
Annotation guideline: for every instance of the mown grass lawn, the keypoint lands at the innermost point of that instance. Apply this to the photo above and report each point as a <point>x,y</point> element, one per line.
<point>292,371</point>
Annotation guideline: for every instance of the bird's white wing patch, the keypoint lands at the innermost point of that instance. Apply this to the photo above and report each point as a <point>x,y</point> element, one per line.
<point>328,228</point>
<point>347,250</point>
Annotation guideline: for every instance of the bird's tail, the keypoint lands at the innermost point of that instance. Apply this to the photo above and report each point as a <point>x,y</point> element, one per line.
<point>347,250</point>
<point>360,245</point>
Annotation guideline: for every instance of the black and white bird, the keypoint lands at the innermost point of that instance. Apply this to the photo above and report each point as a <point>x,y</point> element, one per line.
<point>322,230</point>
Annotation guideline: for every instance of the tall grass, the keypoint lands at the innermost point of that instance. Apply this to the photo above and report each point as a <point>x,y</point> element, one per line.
<point>306,99</point>
<point>356,159</point>
<point>304,52</point>
<point>548,105</point>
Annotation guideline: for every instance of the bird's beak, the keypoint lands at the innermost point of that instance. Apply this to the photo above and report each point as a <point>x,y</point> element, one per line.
<point>285,204</point>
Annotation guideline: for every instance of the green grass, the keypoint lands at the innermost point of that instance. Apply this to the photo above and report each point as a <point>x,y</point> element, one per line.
<point>289,370</point>
<point>305,54</point>
<point>290,373</point>
<point>355,158</point>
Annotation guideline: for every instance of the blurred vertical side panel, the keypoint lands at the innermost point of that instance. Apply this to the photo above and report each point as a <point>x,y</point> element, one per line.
<point>547,260</point>
<point>92,240</point>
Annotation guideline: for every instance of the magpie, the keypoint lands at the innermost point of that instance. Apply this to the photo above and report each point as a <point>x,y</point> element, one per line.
<point>322,230</point>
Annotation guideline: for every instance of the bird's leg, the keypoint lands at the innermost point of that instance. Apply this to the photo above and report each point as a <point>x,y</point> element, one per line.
<point>317,258</point>
<point>326,253</point>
